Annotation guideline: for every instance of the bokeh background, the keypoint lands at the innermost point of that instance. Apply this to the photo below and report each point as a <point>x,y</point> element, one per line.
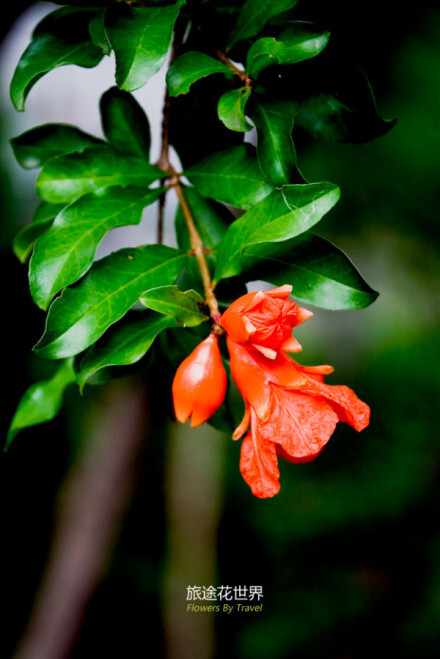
<point>348,553</point>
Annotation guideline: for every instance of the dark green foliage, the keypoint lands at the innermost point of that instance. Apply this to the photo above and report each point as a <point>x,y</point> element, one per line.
<point>277,74</point>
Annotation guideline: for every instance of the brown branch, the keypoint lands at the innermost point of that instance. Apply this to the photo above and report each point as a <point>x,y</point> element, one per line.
<point>244,77</point>
<point>199,252</point>
<point>164,158</point>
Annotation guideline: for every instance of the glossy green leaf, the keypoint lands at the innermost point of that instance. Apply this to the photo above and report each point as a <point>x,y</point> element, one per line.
<point>190,67</point>
<point>65,178</point>
<point>297,42</point>
<point>211,219</point>
<point>37,145</point>
<point>285,213</point>
<point>63,254</point>
<point>231,108</point>
<point>23,242</point>
<point>254,15</point>
<point>125,345</point>
<point>320,273</point>
<point>275,149</point>
<point>59,39</point>
<point>124,123</point>
<point>84,311</point>
<point>232,176</point>
<point>184,306</point>
<point>98,33</point>
<point>140,37</point>
<point>41,402</point>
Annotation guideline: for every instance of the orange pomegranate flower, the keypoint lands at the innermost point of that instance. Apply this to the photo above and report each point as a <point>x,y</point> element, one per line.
<point>292,413</point>
<point>199,385</point>
<point>265,320</point>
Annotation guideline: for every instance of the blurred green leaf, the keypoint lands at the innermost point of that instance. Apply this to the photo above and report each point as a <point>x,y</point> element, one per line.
<point>275,149</point>
<point>41,402</point>
<point>140,37</point>
<point>190,67</point>
<point>66,177</point>
<point>232,176</point>
<point>297,42</point>
<point>125,124</point>
<point>37,145</point>
<point>83,312</point>
<point>66,251</point>
<point>285,213</point>
<point>333,98</point>
<point>254,15</point>
<point>184,307</point>
<point>59,39</point>
<point>24,240</point>
<point>125,345</point>
<point>231,108</point>
<point>320,273</point>
<point>98,33</point>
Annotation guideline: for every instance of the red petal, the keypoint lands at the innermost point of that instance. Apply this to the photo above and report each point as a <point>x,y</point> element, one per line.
<point>244,423</point>
<point>301,423</point>
<point>344,401</point>
<point>250,379</point>
<point>303,315</point>
<point>259,467</point>
<point>291,345</point>
<point>282,292</point>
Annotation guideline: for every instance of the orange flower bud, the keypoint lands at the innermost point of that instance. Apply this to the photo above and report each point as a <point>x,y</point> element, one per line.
<point>199,385</point>
<point>265,319</point>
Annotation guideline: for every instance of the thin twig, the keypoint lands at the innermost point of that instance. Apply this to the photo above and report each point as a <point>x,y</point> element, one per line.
<point>199,252</point>
<point>164,158</point>
<point>244,77</point>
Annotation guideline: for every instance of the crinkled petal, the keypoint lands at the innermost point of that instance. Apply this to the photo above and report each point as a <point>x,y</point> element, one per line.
<point>259,466</point>
<point>300,423</point>
<point>346,404</point>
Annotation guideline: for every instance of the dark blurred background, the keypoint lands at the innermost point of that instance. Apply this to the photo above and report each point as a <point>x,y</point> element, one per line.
<point>348,553</point>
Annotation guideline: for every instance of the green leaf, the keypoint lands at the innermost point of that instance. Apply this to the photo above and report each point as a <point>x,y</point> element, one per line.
<point>184,307</point>
<point>84,311</point>
<point>37,145</point>
<point>211,220</point>
<point>231,107</point>
<point>125,124</point>
<point>275,149</point>
<point>98,33</point>
<point>297,42</point>
<point>125,345</point>
<point>285,213</point>
<point>66,251</point>
<point>320,273</point>
<point>65,178</point>
<point>333,99</point>
<point>23,242</point>
<point>232,176</point>
<point>59,39</point>
<point>254,15</point>
<point>140,37</point>
<point>41,402</point>
<point>190,67</point>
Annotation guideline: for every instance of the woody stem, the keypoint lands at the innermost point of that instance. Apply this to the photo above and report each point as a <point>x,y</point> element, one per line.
<point>199,252</point>
<point>244,77</point>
